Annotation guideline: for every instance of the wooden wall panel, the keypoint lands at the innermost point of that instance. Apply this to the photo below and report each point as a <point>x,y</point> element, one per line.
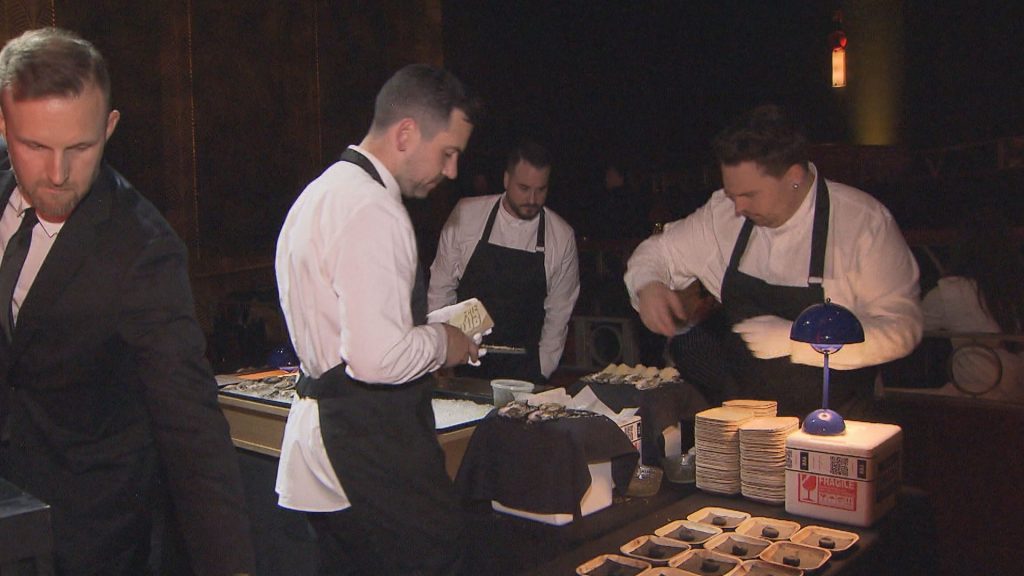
<point>257,121</point>
<point>16,16</point>
<point>146,49</point>
<point>361,44</point>
<point>229,108</point>
<point>280,89</point>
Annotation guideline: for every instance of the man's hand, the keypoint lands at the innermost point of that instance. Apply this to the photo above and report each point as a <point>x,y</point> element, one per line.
<point>461,348</point>
<point>766,336</point>
<point>660,308</point>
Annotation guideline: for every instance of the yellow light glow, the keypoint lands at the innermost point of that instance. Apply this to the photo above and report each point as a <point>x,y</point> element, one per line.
<point>838,68</point>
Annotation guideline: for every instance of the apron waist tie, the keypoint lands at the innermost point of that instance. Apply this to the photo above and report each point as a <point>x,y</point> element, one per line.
<point>336,383</point>
<point>317,388</point>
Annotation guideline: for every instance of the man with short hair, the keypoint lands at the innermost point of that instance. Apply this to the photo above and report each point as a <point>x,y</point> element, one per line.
<point>103,378</point>
<point>519,259</point>
<point>775,239</point>
<point>360,452</point>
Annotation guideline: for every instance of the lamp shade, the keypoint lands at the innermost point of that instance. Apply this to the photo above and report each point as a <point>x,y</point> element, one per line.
<point>827,325</point>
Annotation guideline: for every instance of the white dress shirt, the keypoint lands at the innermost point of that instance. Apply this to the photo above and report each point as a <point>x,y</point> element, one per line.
<point>868,266</point>
<point>346,264</point>
<point>44,234</point>
<point>464,229</point>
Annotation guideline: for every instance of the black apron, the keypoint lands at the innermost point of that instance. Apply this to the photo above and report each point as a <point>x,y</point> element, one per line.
<point>512,284</point>
<point>382,443</point>
<point>796,387</point>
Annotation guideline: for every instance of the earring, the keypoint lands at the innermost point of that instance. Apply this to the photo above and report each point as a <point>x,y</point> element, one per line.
<point>796,185</point>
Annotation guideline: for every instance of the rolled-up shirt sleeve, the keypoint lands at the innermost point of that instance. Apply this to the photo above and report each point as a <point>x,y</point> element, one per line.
<point>376,270</point>
<point>687,250</point>
<point>563,290</point>
<point>448,264</point>
<point>878,282</point>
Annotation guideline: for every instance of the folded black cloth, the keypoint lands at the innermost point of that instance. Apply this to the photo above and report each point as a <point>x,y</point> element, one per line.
<point>541,467</point>
<point>659,408</point>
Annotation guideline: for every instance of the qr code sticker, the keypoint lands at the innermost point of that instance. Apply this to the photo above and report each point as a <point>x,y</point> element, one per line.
<point>839,466</point>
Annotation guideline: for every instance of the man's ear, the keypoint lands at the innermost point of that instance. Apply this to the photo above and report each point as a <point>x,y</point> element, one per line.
<point>407,134</point>
<point>112,120</point>
<point>793,175</point>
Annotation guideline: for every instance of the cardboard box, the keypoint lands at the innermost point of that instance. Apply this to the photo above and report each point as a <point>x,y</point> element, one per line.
<point>851,478</point>
<point>632,427</point>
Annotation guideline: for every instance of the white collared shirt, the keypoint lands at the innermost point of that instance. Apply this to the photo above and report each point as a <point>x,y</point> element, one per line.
<point>44,234</point>
<point>868,266</point>
<point>346,264</point>
<point>459,238</point>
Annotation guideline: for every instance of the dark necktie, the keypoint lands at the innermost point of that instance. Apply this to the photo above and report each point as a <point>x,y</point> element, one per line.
<point>10,269</point>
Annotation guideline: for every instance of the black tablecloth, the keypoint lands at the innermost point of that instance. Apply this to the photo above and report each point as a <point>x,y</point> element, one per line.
<point>659,408</point>
<point>542,467</point>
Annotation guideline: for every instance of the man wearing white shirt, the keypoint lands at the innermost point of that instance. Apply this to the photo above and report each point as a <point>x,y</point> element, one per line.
<point>775,239</point>
<point>360,451</point>
<point>519,259</point>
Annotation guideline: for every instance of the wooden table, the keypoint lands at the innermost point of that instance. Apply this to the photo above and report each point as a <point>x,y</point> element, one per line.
<point>258,425</point>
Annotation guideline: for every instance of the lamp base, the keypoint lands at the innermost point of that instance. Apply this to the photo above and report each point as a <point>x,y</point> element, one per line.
<point>824,422</point>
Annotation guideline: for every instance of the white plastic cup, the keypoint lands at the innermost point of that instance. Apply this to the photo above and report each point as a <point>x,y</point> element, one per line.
<point>506,391</point>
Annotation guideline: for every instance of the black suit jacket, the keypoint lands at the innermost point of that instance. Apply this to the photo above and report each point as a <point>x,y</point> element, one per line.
<point>105,383</point>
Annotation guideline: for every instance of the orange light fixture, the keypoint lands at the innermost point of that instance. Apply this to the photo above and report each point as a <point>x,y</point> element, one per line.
<point>837,40</point>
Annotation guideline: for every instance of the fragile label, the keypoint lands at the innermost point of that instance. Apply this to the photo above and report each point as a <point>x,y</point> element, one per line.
<point>838,493</point>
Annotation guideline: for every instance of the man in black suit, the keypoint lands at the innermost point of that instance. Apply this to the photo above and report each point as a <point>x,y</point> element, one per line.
<point>103,379</point>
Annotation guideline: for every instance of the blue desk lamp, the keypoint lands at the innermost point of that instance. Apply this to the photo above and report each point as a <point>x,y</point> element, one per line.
<point>826,327</point>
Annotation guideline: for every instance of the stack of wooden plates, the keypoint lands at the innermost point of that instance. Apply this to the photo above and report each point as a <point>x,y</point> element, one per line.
<point>763,457</point>
<point>716,434</point>
<point>760,408</point>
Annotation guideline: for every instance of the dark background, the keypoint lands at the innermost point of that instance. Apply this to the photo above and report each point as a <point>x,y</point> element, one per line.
<point>648,80</point>
<point>230,108</point>
<point>650,83</point>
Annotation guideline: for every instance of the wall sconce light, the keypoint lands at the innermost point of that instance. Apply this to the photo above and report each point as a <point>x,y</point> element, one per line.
<point>837,40</point>
<point>826,327</point>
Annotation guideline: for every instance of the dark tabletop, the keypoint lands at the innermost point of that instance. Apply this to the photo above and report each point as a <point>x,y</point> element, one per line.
<point>897,544</point>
